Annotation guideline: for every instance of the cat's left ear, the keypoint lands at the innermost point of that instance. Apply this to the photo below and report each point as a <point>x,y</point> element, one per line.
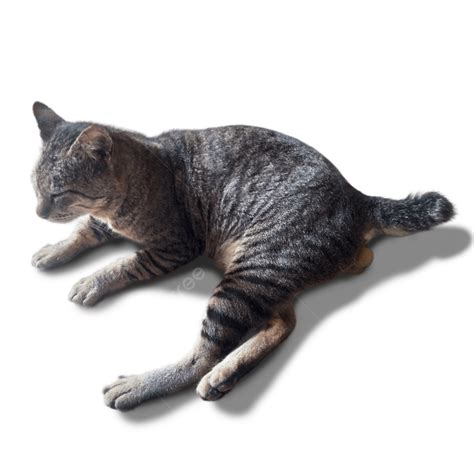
<point>95,141</point>
<point>47,120</point>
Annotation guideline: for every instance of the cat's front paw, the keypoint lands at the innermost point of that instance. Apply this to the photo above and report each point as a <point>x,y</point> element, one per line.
<point>50,256</point>
<point>126,393</point>
<point>87,291</point>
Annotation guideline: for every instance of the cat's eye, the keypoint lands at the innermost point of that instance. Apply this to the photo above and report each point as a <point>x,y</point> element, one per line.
<point>73,193</point>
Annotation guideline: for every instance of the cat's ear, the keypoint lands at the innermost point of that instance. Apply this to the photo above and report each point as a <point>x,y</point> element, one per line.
<point>47,120</point>
<point>95,141</point>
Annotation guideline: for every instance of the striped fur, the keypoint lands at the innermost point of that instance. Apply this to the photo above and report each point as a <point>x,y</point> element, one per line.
<point>273,213</point>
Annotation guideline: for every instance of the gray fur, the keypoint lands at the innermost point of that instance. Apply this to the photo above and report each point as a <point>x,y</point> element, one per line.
<point>273,213</point>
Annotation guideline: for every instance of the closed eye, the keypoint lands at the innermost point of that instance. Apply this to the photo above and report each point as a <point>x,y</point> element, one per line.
<point>77,193</point>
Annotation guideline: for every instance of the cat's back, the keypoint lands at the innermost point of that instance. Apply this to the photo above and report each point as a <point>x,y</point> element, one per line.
<point>220,153</point>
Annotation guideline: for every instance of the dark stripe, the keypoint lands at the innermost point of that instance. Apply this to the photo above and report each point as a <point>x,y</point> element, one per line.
<point>97,234</point>
<point>130,276</point>
<point>227,280</point>
<point>225,320</point>
<point>142,264</point>
<point>172,260</point>
<point>100,229</point>
<point>266,282</point>
<point>234,293</point>
<point>210,338</point>
<point>250,267</point>
<point>278,247</point>
<point>268,223</point>
<point>234,197</point>
<point>155,263</point>
<point>256,280</point>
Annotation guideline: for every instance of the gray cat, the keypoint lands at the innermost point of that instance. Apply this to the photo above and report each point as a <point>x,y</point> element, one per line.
<point>273,213</point>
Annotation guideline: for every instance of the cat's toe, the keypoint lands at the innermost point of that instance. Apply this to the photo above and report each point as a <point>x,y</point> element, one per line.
<point>86,291</point>
<point>125,393</point>
<point>215,384</point>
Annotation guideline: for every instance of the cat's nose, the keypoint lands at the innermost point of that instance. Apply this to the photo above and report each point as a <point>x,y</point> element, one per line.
<point>43,209</point>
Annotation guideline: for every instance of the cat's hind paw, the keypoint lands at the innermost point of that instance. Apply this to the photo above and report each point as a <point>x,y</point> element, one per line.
<point>125,393</point>
<point>87,291</point>
<point>216,383</point>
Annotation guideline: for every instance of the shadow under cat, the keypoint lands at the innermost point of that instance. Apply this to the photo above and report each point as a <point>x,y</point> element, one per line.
<point>393,257</point>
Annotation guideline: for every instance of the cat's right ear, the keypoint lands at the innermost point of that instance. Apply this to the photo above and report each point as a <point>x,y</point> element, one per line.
<point>47,120</point>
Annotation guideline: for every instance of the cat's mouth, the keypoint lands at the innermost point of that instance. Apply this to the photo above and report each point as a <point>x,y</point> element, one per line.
<point>62,218</point>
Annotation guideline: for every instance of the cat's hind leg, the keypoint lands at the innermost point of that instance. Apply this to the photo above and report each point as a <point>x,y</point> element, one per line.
<point>238,306</point>
<point>220,334</point>
<point>223,377</point>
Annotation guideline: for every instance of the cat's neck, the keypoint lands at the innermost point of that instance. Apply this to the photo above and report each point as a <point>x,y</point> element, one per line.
<point>144,184</point>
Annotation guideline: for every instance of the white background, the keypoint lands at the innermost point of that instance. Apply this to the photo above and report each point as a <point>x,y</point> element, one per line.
<point>378,375</point>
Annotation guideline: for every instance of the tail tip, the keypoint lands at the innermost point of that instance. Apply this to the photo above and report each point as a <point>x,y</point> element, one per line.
<point>439,207</point>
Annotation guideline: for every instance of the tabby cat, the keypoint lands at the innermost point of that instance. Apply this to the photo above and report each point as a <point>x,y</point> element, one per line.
<point>273,213</point>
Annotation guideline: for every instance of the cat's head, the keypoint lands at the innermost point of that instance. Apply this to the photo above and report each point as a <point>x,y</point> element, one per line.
<point>74,175</point>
